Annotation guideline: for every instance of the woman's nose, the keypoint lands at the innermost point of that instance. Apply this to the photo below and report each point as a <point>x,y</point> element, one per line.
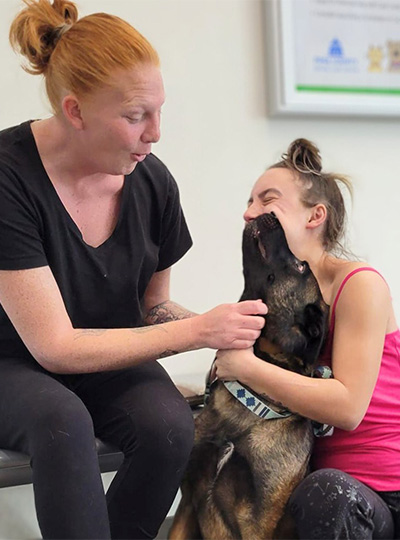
<point>251,213</point>
<point>152,132</point>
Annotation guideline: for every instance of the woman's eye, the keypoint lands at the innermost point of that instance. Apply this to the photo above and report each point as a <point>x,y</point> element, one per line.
<point>133,119</point>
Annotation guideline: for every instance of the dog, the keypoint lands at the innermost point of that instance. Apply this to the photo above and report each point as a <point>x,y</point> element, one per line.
<point>244,467</point>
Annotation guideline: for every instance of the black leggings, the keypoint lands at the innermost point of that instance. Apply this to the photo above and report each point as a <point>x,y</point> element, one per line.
<point>330,504</point>
<point>55,418</point>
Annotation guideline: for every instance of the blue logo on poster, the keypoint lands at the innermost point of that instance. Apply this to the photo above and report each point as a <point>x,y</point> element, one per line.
<point>335,48</point>
<point>335,61</point>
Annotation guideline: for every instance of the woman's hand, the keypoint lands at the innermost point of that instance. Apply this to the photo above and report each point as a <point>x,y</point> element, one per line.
<point>234,365</point>
<point>231,326</point>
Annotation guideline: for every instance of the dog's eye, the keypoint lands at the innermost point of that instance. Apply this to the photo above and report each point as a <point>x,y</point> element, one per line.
<point>301,266</point>
<point>271,278</point>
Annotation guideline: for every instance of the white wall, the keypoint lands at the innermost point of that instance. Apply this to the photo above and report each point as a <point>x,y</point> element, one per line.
<point>218,138</point>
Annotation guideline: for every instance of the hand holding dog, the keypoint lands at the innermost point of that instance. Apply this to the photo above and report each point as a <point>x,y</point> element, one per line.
<point>232,326</point>
<point>233,365</point>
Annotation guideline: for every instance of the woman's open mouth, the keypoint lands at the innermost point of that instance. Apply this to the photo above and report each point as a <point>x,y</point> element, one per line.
<point>139,157</point>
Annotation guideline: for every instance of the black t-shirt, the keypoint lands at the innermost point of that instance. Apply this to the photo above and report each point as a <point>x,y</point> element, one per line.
<point>102,287</point>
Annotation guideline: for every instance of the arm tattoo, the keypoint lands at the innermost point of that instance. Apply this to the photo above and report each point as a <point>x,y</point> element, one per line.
<point>142,330</point>
<point>162,313</point>
<point>168,352</point>
<point>90,332</point>
<point>166,312</point>
<point>100,331</point>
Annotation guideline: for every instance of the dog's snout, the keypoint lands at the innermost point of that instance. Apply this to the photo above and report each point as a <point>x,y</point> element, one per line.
<point>270,221</point>
<point>265,222</point>
<point>252,230</point>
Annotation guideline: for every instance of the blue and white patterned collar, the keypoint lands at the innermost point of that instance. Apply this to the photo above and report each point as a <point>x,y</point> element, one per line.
<point>252,402</point>
<point>258,407</point>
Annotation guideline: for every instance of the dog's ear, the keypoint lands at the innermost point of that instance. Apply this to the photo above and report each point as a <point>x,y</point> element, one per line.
<point>315,319</point>
<point>308,334</point>
<point>315,326</point>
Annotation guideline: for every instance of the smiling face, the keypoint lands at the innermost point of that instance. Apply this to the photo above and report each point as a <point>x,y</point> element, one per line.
<point>120,122</point>
<point>297,315</point>
<point>278,191</point>
<point>271,270</point>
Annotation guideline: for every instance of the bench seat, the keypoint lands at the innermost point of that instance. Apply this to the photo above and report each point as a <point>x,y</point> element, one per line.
<point>15,468</point>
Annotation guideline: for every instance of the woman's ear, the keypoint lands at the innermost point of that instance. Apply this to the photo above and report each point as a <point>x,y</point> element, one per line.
<point>72,111</point>
<point>317,216</point>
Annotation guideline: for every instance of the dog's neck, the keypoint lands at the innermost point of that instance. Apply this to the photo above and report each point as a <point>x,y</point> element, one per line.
<point>271,352</point>
<point>266,346</point>
<point>259,404</point>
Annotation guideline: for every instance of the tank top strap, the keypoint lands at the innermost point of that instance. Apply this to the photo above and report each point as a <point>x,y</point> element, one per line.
<point>345,280</point>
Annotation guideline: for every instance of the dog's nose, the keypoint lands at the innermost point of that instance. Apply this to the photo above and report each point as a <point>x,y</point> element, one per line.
<point>270,221</point>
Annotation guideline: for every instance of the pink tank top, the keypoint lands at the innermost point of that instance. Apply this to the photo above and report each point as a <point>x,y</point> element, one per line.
<point>371,452</point>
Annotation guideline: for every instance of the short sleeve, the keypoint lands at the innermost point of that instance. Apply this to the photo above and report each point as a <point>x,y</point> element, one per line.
<point>175,235</point>
<point>21,245</point>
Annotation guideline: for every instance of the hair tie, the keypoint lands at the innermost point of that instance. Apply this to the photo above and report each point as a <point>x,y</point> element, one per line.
<point>57,33</point>
<point>60,31</point>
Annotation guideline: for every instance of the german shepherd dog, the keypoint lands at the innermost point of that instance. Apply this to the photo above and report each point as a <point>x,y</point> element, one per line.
<point>243,468</point>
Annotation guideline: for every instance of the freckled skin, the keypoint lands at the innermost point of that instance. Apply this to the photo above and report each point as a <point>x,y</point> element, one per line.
<point>241,492</point>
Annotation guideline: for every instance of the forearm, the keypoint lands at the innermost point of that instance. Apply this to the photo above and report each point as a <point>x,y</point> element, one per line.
<point>36,309</point>
<point>91,350</point>
<point>325,400</point>
<point>166,312</point>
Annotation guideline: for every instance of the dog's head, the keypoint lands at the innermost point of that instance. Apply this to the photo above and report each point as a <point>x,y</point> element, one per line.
<point>297,315</point>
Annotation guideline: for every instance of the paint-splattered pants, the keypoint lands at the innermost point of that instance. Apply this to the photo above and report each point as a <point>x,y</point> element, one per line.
<point>54,419</point>
<point>330,504</point>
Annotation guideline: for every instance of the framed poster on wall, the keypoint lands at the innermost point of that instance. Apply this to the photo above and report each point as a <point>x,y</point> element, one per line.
<point>333,57</point>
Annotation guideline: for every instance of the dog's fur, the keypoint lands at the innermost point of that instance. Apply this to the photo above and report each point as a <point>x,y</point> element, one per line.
<point>243,468</point>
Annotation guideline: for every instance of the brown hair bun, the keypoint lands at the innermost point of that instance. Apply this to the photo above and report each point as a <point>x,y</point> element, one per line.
<point>37,29</point>
<point>304,157</point>
<point>317,186</point>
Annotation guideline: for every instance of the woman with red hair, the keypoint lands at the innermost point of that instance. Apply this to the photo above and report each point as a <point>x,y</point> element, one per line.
<point>90,226</point>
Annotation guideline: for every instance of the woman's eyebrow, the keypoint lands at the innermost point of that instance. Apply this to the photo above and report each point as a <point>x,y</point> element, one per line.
<point>269,191</point>
<point>264,193</point>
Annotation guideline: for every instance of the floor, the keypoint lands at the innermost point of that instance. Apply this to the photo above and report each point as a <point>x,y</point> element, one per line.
<point>18,517</point>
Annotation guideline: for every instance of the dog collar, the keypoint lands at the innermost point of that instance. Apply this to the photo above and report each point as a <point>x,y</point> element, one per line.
<point>252,402</point>
<point>256,406</point>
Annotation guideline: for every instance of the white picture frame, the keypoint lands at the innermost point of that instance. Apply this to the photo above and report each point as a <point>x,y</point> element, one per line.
<point>309,73</point>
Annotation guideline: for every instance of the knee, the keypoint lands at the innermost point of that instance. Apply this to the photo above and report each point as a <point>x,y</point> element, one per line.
<point>324,487</point>
<point>66,422</point>
<point>168,435</point>
<point>328,504</point>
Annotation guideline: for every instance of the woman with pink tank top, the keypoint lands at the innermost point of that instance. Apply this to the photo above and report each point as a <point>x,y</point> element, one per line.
<point>353,490</point>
